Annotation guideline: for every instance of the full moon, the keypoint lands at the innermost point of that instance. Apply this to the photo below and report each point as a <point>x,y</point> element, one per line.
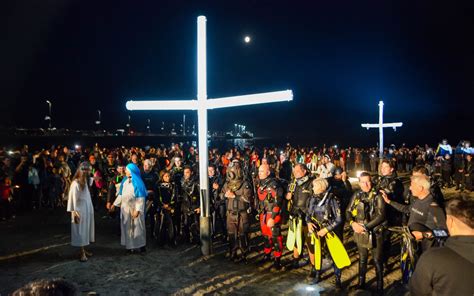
<point>247,39</point>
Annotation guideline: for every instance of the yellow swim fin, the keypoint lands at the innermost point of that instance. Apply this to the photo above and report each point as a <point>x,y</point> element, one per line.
<point>317,250</point>
<point>337,250</point>
<point>290,239</point>
<point>299,236</point>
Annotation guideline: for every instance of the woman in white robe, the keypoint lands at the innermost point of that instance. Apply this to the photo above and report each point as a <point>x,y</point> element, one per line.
<point>82,212</point>
<point>131,200</point>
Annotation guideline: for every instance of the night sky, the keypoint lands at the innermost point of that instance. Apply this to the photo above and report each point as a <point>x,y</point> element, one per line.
<point>339,58</point>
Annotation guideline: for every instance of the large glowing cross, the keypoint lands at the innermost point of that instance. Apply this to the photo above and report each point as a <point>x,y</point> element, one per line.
<point>381,126</point>
<point>202,104</point>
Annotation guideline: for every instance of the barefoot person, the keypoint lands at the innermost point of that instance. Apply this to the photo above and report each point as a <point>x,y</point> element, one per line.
<point>131,200</point>
<point>82,212</point>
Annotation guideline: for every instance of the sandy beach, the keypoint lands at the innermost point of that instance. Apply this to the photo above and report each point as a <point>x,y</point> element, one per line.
<point>37,246</point>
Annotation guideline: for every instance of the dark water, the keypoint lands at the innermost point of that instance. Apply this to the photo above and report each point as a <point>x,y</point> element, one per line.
<point>39,142</point>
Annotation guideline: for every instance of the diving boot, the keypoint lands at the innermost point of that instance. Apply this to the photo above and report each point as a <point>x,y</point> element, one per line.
<point>295,264</point>
<point>362,272</point>
<point>276,265</point>
<point>379,275</point>
<point>265,259</point>
<point>317,278</point>
<point>232,249</point>
<point>361,284</point>
<point>312,273</point>
<point>231,255</point>
<point>338,282</point>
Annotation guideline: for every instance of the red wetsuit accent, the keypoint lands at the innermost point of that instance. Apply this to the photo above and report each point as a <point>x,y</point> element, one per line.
<point>270,208</point>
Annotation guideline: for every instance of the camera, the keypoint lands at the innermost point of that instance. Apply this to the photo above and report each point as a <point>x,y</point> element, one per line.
<point>440,233</point>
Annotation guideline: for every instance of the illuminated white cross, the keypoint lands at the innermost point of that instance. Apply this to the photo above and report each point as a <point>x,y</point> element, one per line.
<point>381,126</point>
<point>202,104</point>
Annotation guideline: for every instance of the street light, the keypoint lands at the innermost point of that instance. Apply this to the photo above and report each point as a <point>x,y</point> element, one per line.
<point>173,130</point>
<point>129,123</point>
<point>184,124</point>
<point>98,121</point>
<point>49,117</point>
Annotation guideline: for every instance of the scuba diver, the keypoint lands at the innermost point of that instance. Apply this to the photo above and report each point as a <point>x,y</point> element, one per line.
<point>238,195</point>
<point>299,192</point>
<point>323,218</point>
<point>270,206</point>
<point>366,213</point>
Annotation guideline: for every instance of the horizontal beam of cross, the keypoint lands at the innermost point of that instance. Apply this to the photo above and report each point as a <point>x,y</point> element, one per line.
<point>261,98</point>
<point>377,125</point>
<point>162,105</point>
<point>269,97</point>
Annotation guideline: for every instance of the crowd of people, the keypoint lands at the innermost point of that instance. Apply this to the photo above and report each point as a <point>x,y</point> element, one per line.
<point>157,191</point>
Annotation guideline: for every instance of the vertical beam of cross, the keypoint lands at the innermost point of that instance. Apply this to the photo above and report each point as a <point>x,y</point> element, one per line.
<point>205,220</point>
<point>381,126</point>
<point>202,104</point>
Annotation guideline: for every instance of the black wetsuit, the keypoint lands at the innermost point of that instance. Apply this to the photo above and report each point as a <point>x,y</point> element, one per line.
<point>368,209</point>
<point>343,192</point>
<point>218,207</point>
<point>325,212</point>
<point>151,180</point>
<point>165,228</point>
<point>190,202</point>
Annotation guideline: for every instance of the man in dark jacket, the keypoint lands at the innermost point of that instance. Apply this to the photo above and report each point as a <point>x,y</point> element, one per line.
<point>389,182</point>
<point>190,206</point>
<point>285,168</point>
<point>448,270</point>
<point>446,170</point>
<point>218,205</point>
<point>469,173</point>
<point>341,187</point>
<point>151,179</point>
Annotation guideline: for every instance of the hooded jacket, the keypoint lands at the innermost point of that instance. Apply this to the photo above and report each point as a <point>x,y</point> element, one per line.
<point>446,270</point>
